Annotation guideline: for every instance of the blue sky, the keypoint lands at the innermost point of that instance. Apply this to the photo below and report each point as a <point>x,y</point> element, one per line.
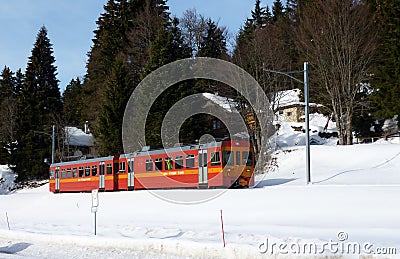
<point>70,25</point>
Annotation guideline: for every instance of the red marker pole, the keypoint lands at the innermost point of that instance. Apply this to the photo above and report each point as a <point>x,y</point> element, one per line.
<point>223,232</point>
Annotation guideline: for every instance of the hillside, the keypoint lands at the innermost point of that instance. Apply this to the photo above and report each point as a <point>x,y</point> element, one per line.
<point>354,193</point>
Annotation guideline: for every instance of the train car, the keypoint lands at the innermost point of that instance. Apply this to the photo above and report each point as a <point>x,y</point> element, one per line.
<point>214,165</point>
<point>85,175</point>
<point>238,163</point>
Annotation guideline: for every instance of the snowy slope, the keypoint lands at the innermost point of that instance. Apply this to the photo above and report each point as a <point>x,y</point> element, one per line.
<point>355,190</point>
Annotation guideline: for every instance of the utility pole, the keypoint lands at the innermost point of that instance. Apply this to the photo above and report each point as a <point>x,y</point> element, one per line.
<point>53,144</point>
<point>53,141</point>
<point>306,111</point>
<point>307,121</point>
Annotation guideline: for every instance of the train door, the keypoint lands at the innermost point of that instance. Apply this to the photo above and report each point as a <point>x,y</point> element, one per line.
<point>102,182</point>
<point>57,179</point>
<point>131,178</point>
<point>115,172</point>
<point>203,169</point>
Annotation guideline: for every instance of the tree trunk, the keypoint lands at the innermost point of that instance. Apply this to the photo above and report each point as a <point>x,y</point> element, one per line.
<point>349,118</point>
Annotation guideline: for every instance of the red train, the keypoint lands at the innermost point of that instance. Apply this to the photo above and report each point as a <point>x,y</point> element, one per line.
<point>218,164</point>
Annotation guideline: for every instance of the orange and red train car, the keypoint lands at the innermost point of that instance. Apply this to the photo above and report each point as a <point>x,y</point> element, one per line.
<point>215,165</point>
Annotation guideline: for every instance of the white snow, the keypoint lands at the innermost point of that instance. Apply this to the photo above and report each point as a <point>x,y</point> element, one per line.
<point>224,102</point>
<point>287,136</point>
<point>288,98</point>
<point>354,193</point>
<point>77,137</point>
<point>6,179</point>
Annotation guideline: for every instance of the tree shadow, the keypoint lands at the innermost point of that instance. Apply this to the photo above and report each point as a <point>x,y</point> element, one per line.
<point>273,182</point>
<point>14,248</point>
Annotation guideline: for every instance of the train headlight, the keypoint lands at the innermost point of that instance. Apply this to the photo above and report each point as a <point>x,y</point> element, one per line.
<point>248,170</point>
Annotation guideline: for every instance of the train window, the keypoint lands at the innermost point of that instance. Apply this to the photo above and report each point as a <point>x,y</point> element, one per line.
<point>227,158</point>
<point>190,161</point>
<point>237,157</point>
<point>69,174</point>
<point>149,165</point>
<point>51,174</point>
<point>168,163</point>
<point>179,162</point>
<point>87,171</point>
<point>81,171</point>
<point>158,163</point>
<point>116,166</point>
<point>215,158</point>
<point>101,168</point>
<point>130,166</point>
<point>109,168</point>
<point>57,172</point>
<point>75,172</point>
<point>203,160</point>
<point>122,167</point>
<point>247,158</point>
<point>63,173</point>
<point>94,170</point>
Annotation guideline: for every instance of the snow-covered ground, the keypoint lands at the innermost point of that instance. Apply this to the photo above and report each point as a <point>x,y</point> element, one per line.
<point>353,203</point>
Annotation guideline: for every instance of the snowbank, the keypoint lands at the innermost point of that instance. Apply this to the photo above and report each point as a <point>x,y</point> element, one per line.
<point>6,179</point>
<point>354,194</point>
<point>288,136</point>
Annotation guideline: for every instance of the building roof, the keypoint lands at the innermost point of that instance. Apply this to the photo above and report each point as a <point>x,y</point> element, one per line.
<point>224,102</point>
<point>77,137</point>
<point>289,98</point>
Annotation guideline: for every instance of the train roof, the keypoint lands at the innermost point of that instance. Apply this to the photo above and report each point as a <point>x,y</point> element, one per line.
<point>78,162</point>
<point>150,152</point>
<point>178,149</point>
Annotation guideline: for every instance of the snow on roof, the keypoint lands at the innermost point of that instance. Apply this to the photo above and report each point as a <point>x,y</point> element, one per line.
<point>226,103</point>
<point>289,98</point>
<point>77,137</point>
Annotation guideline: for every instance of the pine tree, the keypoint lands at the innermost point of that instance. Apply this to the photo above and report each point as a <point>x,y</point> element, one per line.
<point>40,78</point>
<point>111,37</point>
<point>72,103</point>
<point>291,10</point>
<point>125,30</point>
<point>277,10</point>
<point>259,15</point>
<point>7,113</point>
<point>111,118</point>
<point>19,82</point>
<point>245,35</point>
<point>7,83</point>
<point>387,71</point>
<point>167,47</point>
<point>213,43</point>
<point>268,15</point>
<point>39,103</point>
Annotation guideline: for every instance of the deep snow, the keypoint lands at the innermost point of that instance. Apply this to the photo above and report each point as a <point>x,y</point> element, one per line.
<point>355,194</point>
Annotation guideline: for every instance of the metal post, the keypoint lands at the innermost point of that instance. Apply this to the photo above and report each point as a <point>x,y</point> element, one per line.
<point>95,225</point>
<point>307,121</point>
<point>307,112</point>
<point>53,144</point>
